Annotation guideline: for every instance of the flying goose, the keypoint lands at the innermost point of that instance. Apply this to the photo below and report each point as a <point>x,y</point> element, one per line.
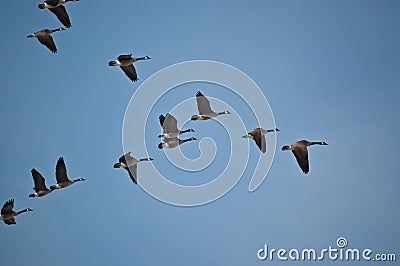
<point>299,150</point>
<point>61,176</point>
<point>7,213</point>
<point>57,8</point>
<point>125,62</point>
<point>170,128</point>
<point>257,135</point>
<point>173,142</point>
<point>129,163</point>
<point>205,112</point>
<point>44,38</point>
<point>40,185</point>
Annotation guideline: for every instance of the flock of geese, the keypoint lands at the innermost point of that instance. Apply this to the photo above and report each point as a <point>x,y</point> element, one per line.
<point>7,214</point>
<point>170,132</point>
<point>170,135</point>
<point>58,9</point>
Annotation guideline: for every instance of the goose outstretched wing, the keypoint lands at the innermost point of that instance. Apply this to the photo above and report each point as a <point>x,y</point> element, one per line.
<point>203,104</point>
<point>7,207</point>
<point>38,180</point>
<point>62,15</point>
<point>61,171</point>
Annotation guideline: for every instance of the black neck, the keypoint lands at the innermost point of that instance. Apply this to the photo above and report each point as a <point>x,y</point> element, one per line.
<point>316,143</point>
<point>26,210</point>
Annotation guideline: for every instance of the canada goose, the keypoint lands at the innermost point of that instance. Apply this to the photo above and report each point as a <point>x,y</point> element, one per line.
<point>44,38</point>
<point>205,112</point>
<point>125,62</point>
<point>129,163</point>
<point>57,8</point>
<point>173,142</point>
<point>170,128</point>
<point>7,213</point>
<point>61,176</point>
<point>299,150</point>
<point>258,135</point>
<point>40,185</point>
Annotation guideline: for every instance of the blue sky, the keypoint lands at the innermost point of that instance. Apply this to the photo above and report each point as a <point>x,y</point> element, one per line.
<point>329,70</point>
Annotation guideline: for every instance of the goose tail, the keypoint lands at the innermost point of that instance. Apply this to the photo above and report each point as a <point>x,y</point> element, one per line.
<point>284,148</point>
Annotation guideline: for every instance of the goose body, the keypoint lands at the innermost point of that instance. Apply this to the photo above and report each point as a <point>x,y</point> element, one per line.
<point>57,8</point>
<point>129,163</point>
<point>257,135</point>
<point>173,142</point>
<point>299,150</point>
<point>204,108</point>
<point>125,62</point>
<point>169,125</point>
<point>62,177</point>
<point>45,38</point>
<point>40,185</point>
<point>7,213</point>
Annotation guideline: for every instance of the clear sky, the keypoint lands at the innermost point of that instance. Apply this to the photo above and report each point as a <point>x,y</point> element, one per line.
<point>329,69</point>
